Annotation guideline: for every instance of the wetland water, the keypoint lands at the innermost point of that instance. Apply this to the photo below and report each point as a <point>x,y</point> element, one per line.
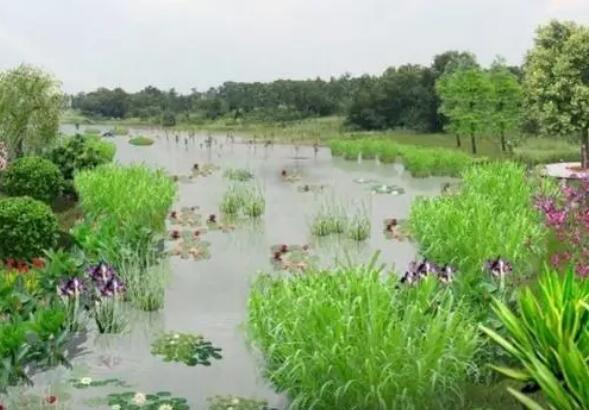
<point>209,296</point>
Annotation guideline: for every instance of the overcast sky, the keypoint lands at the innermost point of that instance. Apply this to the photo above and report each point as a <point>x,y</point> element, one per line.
<point>202,43</point>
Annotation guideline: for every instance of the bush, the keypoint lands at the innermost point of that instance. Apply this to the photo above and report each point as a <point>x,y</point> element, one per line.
<point>168,119</point>
<point>27,228</point>
<point>349,340</point>
<point>141,141</point>
<point>33,176</point>
<point>128,196</point>
<point>81,152</point>
<point>492,215</point>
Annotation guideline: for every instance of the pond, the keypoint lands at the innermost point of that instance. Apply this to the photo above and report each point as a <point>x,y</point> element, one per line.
<point>209,296</point>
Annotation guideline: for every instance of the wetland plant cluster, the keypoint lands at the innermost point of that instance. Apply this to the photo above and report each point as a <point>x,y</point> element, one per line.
<point>334,219</point>
<point>185,348</point>
<point>420,161</point>
<point>245,199</point>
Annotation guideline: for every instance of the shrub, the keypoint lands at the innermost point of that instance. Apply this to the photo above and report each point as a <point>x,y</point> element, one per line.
<point>33,176</point>
<point>81,152</point>
<point>128,196</point>
<point>140,141</point>
<point>27,227</point>
<point>348,340</point>
<point>492,215</point>
<point>168,119</point>
<point>548,337</point>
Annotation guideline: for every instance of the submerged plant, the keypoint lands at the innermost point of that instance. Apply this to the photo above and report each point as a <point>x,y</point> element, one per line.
<point>387,346</point>
<point>185,348</point>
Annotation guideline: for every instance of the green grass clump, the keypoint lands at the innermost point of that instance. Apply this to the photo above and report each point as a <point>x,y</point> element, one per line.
<point>359,226</point>
<point>254,203</point>
<point>145,277</point>
<point>420,161</point>
<point>536,151</point>
<point>104,150</point>
<point>133,195</point>
<point>92,130</point>
<point>492,215</point>
<point>120,130</point>
<point>238,174</point>
<point>346,339</point>
<point>331,219</point>
<point>141,141</point>
<point>243,198</point>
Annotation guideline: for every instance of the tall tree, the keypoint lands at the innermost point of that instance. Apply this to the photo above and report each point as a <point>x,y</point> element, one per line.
<point>30,105</point>
<point>556,82</point>
<point>466,100</point>
<point>506,100</point>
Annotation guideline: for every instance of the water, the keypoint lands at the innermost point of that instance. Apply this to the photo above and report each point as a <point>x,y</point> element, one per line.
<point>209,296</point>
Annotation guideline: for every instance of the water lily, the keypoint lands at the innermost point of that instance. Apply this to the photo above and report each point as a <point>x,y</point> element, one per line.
<point>498,267</point>
<point>86,381</point>
<point>139,399</point>
<point>165,407</point>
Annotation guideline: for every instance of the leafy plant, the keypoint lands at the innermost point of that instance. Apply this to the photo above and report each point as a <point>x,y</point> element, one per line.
<point>145,280</point>
<point>386,347</point>
<point>186,348</point>
<point>32,176</point>
<point>141,141</point>
<point>547,336</point>
<point>27,228</point>
<point>138,400</point>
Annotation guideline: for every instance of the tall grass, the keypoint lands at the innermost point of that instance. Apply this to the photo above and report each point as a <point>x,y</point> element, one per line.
<point>420,161</point>
<point>243,198</point>
<point>492,215</point>
<point>359,226</point>
<point>330,219</point>
<point>126,195</point>
<point>534,151</point>
<point>345,339</point>
<point>145,277</point>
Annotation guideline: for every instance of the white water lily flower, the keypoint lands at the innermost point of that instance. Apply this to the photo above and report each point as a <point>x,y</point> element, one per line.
<point>139,399</point>
<point>86,381</point>
<point>115,407</point>
<point>235,401</point>
<point>176,336</point>
<point>165,407</point>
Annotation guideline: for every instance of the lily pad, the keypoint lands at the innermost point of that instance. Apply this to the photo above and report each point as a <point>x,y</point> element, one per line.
<point>87,382</point>
<point>291,175</point>
<point>204,170</point>
<point>191,248</point>
<point>236,403</point>
<point>396,229</point>
<point>139,400</point>
<point>366,181</point>
<point>186,348</point>
<point>387,189</point>
<point>294,258</point>
<point>186,216</point>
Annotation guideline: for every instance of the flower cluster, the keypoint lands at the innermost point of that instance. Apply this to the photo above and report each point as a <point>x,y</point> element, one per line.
<point>498,268</point>
<point>102,276</point>
<point>567,217</point>
<point>420,270</point>
<point>22,266</point>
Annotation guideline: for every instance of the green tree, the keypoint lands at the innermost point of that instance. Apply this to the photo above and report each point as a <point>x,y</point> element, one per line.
<point>556,82</point>
<point>466,95</point>
<point>506,100</point>
<point>30,105</point>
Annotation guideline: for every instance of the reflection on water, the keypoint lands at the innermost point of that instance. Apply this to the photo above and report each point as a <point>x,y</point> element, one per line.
<point>209,296</point>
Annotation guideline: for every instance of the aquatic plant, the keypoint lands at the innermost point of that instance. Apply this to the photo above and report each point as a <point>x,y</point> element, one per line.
<point>238,174</point>
<point>395,228</point>
<point>119,130</point>
<point>204,170</point>
<point>145,278</point>
<point>291,175</point>
<point>405,347</point>
<point>140,141</point>
<point>92,130</point>
<point>254,203</point>
<point>240,198</point>
<point>359,225</point>
<point>387,189</point>
<point>236,403</point>
<point>191,247</point>
<point>87,382</point>
<point>186,216</point>
<point>311,188</point>
<point>137,400</point>
<point>331,218</point>
<point>232,201</point>
<point>186,348</point>
<point>293,258</point>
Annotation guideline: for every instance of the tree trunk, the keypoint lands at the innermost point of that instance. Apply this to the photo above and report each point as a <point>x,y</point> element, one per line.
<point>473,143</point>
<point>585,147</point>
<point>458,142</point>
<point>503,144</point>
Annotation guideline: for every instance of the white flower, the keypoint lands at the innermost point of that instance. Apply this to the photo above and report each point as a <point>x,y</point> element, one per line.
<point>235,401</point>
<point>176,336</point>
<point>139,399</point>
<point>85,381</point>
<point>115,407</point>
<point>165,407</point>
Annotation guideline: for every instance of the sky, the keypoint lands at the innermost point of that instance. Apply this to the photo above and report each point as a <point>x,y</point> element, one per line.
<point>189,44</point>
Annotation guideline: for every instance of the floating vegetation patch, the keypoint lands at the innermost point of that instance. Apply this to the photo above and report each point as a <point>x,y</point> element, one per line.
<point>225,225</point>
<point>87,382</point>
<point>140,141</point>
<point>292,257</point>
<point>186,348</point>
<point>187,217</point>
<point>191,248</point>
<point>186,234</point>
<point>238,174</point>
<point>366,181</point>
<point>120,130</point>
<point>137,400</point>
<point>311,188</point>
<point>247,200</point>
<point>291,175</point>
<point>236,403</point>
<point>387,189</point>
<point>396,229</point>
<point>204,170</point>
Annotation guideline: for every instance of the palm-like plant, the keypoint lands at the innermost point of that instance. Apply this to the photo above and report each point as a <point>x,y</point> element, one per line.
<point>550,339</point>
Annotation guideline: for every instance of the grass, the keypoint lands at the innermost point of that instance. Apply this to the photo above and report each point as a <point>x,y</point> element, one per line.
<point>145,278</point>
<point>243,198</point>
<point>491,215</point>
<point>534,151</point>
<point>238,174</point>
<point>330,219</point>
<point>359,226</point>
<point>120,130</point>
<point>346,339</point>
<point>92,130</point>
<point>141,141</point>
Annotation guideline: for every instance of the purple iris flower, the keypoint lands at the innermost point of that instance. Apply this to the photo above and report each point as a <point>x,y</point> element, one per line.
<point>114,286</point>
<point>498,267</point>
<point>101,273</point>
<point>446,274</point>
<point>71,288</point>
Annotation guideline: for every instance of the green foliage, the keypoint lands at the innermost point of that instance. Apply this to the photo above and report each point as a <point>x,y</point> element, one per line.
<point>118,130</point>
<point>548,338</point>
<point>491,215</point>
<point>145,279</point>
<point>33,176</point>
<point>137,400</point>
<point>185,348</point>
<point>330,219</point>
<point>244,198</point>
<point>27,228</point>
<point>168,119</point>
<point>238,174</point>
<point>419,161</point>
<point>535,151</point>
<point>129,196</point>
<point>359,226</point>
<point>346,339</point>
<point>109,315</point>
<point>236,403</point>
<point>141,141</point>
<point>30,104</point>
<point>81,152</point>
